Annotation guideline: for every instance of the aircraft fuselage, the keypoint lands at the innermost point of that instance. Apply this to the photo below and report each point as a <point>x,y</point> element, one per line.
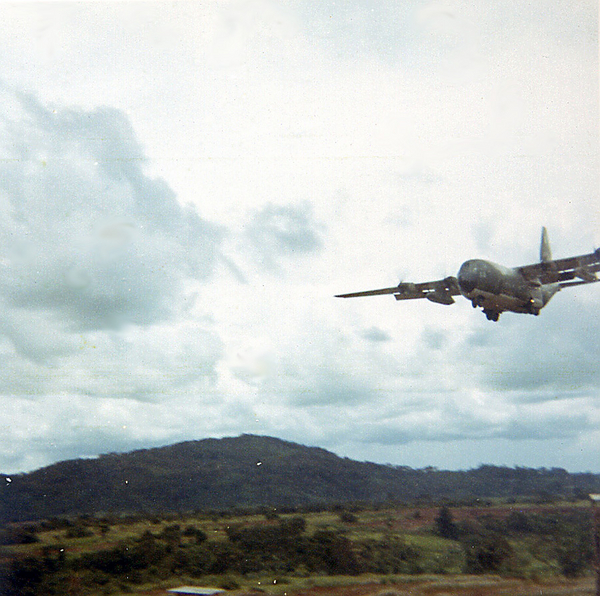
<point>496,288</point>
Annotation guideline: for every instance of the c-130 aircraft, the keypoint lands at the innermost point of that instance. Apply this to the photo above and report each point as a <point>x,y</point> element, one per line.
<point>496,288</point>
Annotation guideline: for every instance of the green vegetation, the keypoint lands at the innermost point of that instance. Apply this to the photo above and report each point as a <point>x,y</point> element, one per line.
<point>115,555</point>
<point>250,472</point>
<point>206,512</point>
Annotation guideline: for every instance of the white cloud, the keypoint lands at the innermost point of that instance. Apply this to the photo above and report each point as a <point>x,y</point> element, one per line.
<point>277,232</point>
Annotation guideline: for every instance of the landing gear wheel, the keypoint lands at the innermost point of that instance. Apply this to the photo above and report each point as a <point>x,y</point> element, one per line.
<point>491,315</point>
<point>477,301</point>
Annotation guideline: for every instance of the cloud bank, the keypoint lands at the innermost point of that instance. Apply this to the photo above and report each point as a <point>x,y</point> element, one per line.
<point>88,238</point>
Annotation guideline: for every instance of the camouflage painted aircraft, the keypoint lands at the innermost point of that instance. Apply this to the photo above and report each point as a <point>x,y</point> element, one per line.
<point>496,288</point>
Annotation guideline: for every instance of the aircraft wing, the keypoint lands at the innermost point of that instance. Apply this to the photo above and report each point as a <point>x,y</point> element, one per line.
<point>440,291</point>
<point>571,271</point>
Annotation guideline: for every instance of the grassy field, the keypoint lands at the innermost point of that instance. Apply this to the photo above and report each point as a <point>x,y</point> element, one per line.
<point>429,585</point>
<point>438,565</point>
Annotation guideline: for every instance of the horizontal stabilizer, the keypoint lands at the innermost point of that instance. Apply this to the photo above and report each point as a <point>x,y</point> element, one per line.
<point>583,267</point>
<point>568,284</point>
<point>586,274</point>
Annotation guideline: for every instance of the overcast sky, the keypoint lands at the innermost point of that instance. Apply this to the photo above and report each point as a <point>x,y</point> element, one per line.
<point>185,186</point>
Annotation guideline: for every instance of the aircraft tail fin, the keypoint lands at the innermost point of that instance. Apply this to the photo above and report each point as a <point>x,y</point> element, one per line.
<point>545,252</point>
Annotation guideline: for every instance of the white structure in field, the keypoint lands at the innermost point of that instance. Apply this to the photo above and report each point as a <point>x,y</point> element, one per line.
<point>196,591</point>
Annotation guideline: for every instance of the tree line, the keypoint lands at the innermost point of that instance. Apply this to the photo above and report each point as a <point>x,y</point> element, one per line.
<point>223,474</point>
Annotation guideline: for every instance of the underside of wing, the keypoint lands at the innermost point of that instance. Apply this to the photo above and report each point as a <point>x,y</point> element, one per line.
<point>440,291</point>
<point>566,272</point>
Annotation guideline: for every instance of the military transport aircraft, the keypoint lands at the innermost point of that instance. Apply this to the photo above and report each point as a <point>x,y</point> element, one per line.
<point>496,288</point>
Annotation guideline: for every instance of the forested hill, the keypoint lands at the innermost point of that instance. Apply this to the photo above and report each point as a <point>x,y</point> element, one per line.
<point>254,471</point>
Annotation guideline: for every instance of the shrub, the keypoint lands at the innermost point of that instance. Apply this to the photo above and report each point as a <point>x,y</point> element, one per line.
<point>195,533</point>
<point>445,525</point>
<point>485,553</point>
<point>327,551</point>
<point>78,531</point>
<point>19,535</point>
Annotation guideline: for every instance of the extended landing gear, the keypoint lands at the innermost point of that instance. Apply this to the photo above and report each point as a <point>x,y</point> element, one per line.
<point>477,301</point>
<point>491,315</point>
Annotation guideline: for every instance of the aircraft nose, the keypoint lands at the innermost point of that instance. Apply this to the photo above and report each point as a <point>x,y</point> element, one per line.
<point>467,276</point>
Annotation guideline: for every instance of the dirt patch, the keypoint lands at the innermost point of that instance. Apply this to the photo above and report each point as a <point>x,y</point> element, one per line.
<point>459,586</point>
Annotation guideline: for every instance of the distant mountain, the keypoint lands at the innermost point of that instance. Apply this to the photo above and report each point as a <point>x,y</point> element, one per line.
<point>254,471</point>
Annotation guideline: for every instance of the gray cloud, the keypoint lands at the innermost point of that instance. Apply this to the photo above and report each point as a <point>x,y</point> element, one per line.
<point>545,427</point>
<point>353,29</point>
<point>376,334</point>
<point>277,232</point>
<point>85,235</point>
<point>434,339</point>
<point>449,420</point>
<point>557,352</point>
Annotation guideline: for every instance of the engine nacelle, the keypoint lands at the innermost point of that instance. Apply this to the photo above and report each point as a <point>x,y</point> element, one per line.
<point>440,296</point>
<point>406,288</point>
<point>585,274</point>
